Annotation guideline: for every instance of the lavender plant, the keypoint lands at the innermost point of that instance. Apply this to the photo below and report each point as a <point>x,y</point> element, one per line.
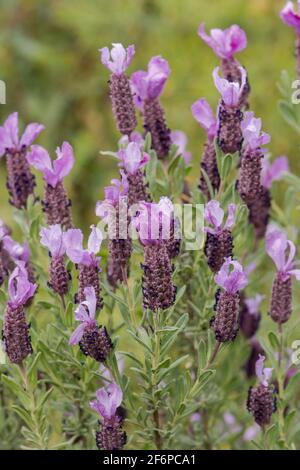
<point>172,319</point>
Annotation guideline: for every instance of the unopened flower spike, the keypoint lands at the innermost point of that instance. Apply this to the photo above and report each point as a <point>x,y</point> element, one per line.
<point>20,181</point>
<point>108,405</point>
<point>114,211</point>
<point>133,160</point>
<point>56,204</point>
<point>261,400</point>
<point>52,239</point>
<point>231,278</point>
<point>290,15</point>
<point>282,251</point>
<point>249,184</point>
<point>260,208</point>
<point>154,226</point>
<point>229,134</point>
<point>250,315</point>
<point>219,243</point>
<point>147,88</point>
<point>93,340</point>
<point>204,115</point>
<point>15,329</point>
<point>86,259</point>
<point>117,61</point>
<point>225,44</point>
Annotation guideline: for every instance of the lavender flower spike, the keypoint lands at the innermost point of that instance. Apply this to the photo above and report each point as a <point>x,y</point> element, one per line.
<point>153,223</point>
<point>204,115</point>
<point>282,251</point>
<point>225,44</point>
<point>225,323</point>
<point>260,208</point>
<point>87,260</point>
<point>20,181</point>
<point>111,435</point>
<point>249,184</point>
<point>147,88</point>
<point>230,137</point>
<point>219,243</point>
<point>250,315</point>
<point>292,18</point>
<point>56,203</point>
<point>114,211</point>
<point>261,401</point>
<point>15,329</point>
<point>93,340</point>
<point>52,238</point>
<point>133,160</point>
<point>120,92</point>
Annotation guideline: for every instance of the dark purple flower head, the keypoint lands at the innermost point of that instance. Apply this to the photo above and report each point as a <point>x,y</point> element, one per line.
<point>231,92</point>
<point>204,115</point>
<point>214,215</point>
<point>273,171</point>
<point>20,289</point>
<point>52,238</point>
<point>225,43</point>
<point>53,171</point>
<point>85,313</point>
<point>263,373</point>
<point>15,250</point>
<point>290,16</point>
<point>149,85</point>
<point>153,221</point>
<point>251,128</point>
<point>73,241</point>
<point>282,251</point>
<point>9,135</point>
<point>179,138</point>
<point>108,401</point>
<point>133,158</point>
<point>231,280</point>
<point>118,59</point>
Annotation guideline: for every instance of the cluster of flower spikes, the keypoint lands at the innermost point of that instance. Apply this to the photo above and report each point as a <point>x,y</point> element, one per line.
<point>17,342</point>
<point>20,181</point>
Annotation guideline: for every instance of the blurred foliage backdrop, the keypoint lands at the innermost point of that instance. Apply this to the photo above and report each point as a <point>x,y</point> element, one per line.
<point>50,62</point>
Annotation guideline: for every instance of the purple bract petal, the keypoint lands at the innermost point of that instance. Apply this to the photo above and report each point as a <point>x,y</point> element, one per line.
<point>52,238</point>
<point>251,128</point>
<point>263,374</point>
<point>230,91</point>
<point>150,84</point>
<point>20,289</point>
<point>133,158</point>
<point>179,138</point>
<point>108,400</point>
<point>204,115</point>
<point>273,171</point>
<point>290,16</point>
<point>232,280</point>
<point>118,59</point>
<point>225,43</point>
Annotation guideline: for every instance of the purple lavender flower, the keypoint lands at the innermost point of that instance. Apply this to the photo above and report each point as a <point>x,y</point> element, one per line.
<point>87,260</point>
<point>15,329</point>
<point>4,255</point>
<point>153,223</point>
<point>225,323</point>
<point>225,44</point>
<point>282,251</point>
<point>219,244</point>
<point>259,209</point>
<point>179,138</point>
<point>93,340</point>
<point>292,18</point>
<point>120,91</point>
<point>114,211</point>
<point>230,136</point>
<point>147,88</point>
<point>249,315</point>
<point>133,160</point>
<point>52,238</point>
<point>56,203</point>
<point>261,402</point>
<point>204,115</point>
<point>111,435</point>
<point>19,252</point>
<point>249,184</point>
<point>20,182</point>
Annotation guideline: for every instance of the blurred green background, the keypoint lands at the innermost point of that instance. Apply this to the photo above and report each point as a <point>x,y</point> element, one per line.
<point>50,62</point>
